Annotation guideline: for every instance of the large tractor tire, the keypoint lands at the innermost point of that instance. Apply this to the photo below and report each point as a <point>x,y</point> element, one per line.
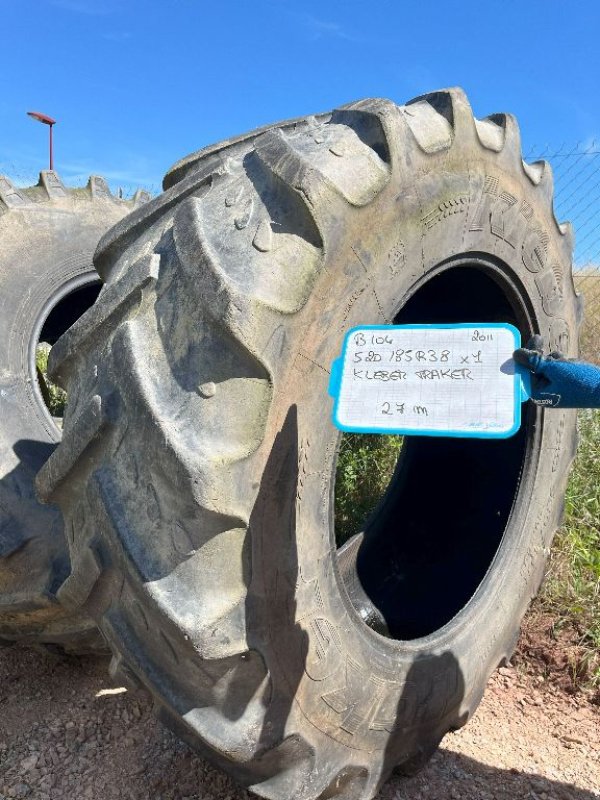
<point>48,234</point>
<point>197,466</point>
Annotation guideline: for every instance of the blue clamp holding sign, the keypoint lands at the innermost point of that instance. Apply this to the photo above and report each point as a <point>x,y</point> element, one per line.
<point>556,382</point>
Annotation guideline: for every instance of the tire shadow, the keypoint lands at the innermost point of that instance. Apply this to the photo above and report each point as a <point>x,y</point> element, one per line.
<point>455,775</point>
<point>271,608</point>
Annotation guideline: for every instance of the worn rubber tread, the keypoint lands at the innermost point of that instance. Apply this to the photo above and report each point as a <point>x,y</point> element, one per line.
<point>107,304</point>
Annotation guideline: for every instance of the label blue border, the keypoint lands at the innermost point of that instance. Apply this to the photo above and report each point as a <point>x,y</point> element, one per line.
<point>521,384</point>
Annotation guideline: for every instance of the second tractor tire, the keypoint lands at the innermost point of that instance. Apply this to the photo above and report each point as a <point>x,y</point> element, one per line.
<point>48,234</point>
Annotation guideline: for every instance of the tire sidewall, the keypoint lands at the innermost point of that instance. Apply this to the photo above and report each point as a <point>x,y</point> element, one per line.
<point>366,692</point>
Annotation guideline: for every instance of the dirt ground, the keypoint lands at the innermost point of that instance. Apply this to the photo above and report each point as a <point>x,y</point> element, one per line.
<point>67,732</point>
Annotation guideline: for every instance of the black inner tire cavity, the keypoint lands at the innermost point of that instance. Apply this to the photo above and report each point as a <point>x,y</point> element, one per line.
<point>72,303</point>
<point>433,537</point>
<point>68,310</point>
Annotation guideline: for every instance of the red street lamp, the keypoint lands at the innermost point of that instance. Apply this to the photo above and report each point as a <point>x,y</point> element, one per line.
<point>47,121</point>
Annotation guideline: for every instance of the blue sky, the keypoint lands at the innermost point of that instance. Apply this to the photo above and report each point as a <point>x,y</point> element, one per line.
<point>137,85</point>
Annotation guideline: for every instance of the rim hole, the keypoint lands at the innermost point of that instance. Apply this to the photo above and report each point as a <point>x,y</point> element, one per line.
<point>439,520</point>
<point>62,315</point>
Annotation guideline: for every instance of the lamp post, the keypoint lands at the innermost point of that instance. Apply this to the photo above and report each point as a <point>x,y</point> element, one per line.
<point>47,121</point>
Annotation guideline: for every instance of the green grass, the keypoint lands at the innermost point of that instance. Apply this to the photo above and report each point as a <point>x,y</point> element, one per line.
<point>365,466</point>
<point>571,591</point>
<point>54,397</point>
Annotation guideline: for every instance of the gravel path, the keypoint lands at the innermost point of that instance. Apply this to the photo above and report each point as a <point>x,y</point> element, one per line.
<point>66,732</point>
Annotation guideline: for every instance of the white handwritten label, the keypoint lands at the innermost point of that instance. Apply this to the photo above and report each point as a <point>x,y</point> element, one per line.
<point>446,380</point>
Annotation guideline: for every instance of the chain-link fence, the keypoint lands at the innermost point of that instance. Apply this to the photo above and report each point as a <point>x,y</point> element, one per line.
<point>577,199</point>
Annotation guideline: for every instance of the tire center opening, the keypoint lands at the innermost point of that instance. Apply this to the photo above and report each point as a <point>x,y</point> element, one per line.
<point>429,537</point>
<point>61,311</point>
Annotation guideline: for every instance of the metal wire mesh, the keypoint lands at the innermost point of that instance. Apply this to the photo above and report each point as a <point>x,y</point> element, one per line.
<point>576,171</point>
